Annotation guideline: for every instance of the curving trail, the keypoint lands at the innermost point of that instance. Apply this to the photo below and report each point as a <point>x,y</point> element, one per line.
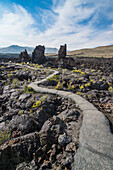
<point>96,140</point>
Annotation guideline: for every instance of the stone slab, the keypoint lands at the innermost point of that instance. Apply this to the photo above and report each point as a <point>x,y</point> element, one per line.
<point>64,93</point>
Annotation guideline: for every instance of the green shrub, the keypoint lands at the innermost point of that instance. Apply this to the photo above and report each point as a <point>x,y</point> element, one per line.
<point>15,83</point>
<point>79,93</point>
<point>4,136</point>
<point>9,75</point>
<point>70,86</point>
<point>43,98</point>
<point>28,90</point>
<point>92,70</point>
<point>37,104</point>
<point>78,71</point>
<point>20,112</point>
<point>110,89</point>
<point>2,66</point>
<point>54,78</point>
<point>59,86</point>
<point>81,87</point>
<point>8,82</point>
<point>89,96</point>
<point>87,84</point>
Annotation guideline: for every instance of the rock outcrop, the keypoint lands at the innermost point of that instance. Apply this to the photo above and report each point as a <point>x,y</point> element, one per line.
<point>62,52</point>
<point>68,63</point>
<point>63,61</point>
<point>24,57</point>
<point>38,56</point>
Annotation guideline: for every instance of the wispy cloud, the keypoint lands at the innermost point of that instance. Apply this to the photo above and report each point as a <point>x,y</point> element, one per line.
<point>79,23</point>
<point>16,26</point>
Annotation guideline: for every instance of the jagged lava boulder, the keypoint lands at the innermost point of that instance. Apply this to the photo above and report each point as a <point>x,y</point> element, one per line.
<point>63,61</point>
<point>38,56</point>
<point>62,52</point>
<point>24,57</point>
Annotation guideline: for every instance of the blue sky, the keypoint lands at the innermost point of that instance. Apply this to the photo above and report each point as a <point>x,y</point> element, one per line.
<point>78,23</point>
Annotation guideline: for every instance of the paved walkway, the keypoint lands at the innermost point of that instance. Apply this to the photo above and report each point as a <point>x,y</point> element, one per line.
<point>96,141</point>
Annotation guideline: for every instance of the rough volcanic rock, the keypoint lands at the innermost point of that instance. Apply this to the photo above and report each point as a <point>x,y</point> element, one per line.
<point>38,55</point>
<point>25,166</point>
<point>21,123</point>
<point>19,150</point>
<point>62,52</point>
<point>42,115</point>
<point>64,139</point>
<point>68,63</point>
<point>62,61</point>
<point>23,75</point>
<point>24,96</point>
<point>24,57</point>
<point>51,130</point>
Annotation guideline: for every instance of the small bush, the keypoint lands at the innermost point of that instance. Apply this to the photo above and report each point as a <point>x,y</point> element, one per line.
<point>29,80</point>
<point>110,84</point>
<point>87,84</point>
<point>9,75</point>
<point>20,112</point>
<point>89,96</point>
<point>79,93</point>
<point>8,82</point>
<point>37,104</point>
<point>2,67</point>
<point>81,87</point>
<point>92,70</point>
<point>15,83</point>
<point>70,86</point>
<point>78,71</point>
<point>110,89</point>
<point>4,136</point>
<point>28,90</point>
<point>54,78</point>
<point>43,98</point>
<point>59,86</point>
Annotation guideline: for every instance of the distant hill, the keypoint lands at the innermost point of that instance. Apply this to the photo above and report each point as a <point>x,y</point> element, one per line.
<point>102,51</point>
<point>15,49</point>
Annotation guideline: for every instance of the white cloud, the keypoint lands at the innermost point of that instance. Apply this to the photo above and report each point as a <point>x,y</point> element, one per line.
<point>19,27</point>
<point>16,27</point>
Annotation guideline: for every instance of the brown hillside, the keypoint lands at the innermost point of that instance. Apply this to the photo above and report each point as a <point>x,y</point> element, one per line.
<point>102,51</point>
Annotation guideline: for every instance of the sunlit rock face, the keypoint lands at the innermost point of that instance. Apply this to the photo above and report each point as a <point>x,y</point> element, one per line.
<point>38,56</point>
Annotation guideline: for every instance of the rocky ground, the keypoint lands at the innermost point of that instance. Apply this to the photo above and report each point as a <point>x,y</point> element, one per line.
<point>37,131</point>
<point>41,131</point>
<point>91,78</point>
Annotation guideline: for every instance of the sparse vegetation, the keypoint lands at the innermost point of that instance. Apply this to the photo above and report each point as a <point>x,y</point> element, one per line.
<point>79,93</point>
<point>4,136</point>
<point>59,86</point>
<point>78,71</point>
<point>37,104</point>
<point>28,90</point>
<point>15,83</point>
<point>43,98</point>
<point>20,112</point>
<point>71,87</point>
<point>81,87</point>
<point>88,84</point>
<point>111,89</point>
<point>54,78</point>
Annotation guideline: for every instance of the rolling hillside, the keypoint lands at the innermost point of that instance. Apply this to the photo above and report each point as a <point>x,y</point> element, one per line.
<point>102,51</point>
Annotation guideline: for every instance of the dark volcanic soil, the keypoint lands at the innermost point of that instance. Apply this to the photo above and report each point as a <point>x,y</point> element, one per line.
<point>91,78</point>
<point>37,131</point>
<point>41,131</point>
